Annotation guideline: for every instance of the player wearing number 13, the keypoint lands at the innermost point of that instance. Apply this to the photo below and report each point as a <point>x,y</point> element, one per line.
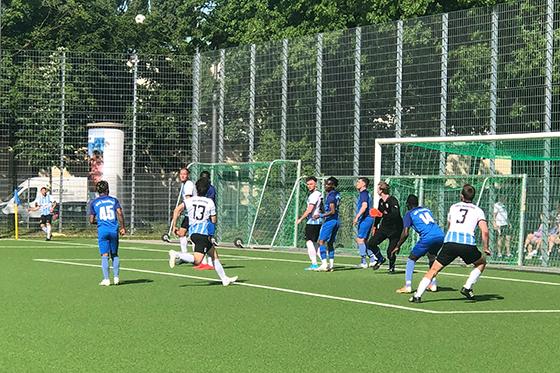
<point>459,241</point>
<point>106,211</point>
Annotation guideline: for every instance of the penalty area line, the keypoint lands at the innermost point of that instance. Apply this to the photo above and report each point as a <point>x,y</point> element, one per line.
<point>309,294</point>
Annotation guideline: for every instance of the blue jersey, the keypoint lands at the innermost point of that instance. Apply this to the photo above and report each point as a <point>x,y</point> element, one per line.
<point>423,222</point>
<point>334,198</point>
<point>363,196</point>
<point>104,208</point>
<point>211,193</point>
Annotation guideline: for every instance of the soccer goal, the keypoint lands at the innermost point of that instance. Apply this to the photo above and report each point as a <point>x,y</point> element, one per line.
<point>517,172</point>
<point>256,202</point>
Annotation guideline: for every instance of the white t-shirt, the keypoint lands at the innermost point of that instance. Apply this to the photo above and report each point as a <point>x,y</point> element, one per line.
<point>188,190</point>
<point>315,199</point>
<point>463,219</point>
<point>501,215</point>
<point>199,210</point>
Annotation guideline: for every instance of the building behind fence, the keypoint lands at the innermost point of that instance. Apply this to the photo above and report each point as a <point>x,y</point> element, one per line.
<point>322,99</point>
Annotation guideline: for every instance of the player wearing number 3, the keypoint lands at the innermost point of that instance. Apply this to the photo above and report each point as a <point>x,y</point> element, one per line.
<point>106,211</point>
<point>459,241</point>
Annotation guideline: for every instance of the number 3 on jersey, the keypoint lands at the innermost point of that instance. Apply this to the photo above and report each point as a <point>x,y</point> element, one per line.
<point>106,213</point>
<point>463,216</point>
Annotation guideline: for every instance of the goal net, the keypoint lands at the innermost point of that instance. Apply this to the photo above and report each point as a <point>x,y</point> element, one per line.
<point>256,202</point>
<point>517,174</point>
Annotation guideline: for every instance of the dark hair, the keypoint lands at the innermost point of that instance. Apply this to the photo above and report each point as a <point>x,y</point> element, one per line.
<point>365,180</point>
<point>43,188</point>
<point>411,201</point>
<point>385,188</point>
<point>102,187</point>
<point>333,180</point>
<point>202,186</point>
<point>468,192</point>
<point>205,174</point>
<point>185,168</point>
<point>309,178</point>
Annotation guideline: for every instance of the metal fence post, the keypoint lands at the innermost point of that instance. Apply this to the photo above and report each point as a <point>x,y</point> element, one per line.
<point>357,98</point>
<point>319,104</point>
<point>62,125</point>
<point>134,118</point>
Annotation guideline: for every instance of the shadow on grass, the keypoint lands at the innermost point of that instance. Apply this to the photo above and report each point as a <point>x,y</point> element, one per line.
<point>208,283</point>
<point>477,299</point>
<point>137,281</point>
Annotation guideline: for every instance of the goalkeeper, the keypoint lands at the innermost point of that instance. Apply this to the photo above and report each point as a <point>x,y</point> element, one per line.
<point>388,219</point>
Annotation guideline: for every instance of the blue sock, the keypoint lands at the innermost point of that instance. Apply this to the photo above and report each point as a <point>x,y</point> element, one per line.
<point>105,267</point>
<point>409,270</point>
<point>323,251</point>
<point>362,249</point>
<point>331,254</point>
<point>116,266</point>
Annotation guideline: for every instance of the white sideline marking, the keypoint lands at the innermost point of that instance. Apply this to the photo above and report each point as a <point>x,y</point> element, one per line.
<point>305,293</point>
<point>298,261</point>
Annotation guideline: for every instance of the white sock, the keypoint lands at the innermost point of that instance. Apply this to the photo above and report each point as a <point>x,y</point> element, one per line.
<point>49,229</point>
<point>475,274</point>
<point>317,250</point>
<point>186,257</point>
<point>209,261</point>
<point>311,251</point>
<point>422,287</point>
<point>204,260</point>
<point>434,282</point>
<point>331,262</point>
<point>220,270</point>
<point>183,241</point>
<point>44,229</point>
<point>324,262</point>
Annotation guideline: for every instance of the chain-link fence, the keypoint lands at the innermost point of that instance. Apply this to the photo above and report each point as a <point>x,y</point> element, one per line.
<point>322,99</point>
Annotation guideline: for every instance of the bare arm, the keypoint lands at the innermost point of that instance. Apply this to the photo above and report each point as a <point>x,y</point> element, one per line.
<point>306,213</point>
<point>404,236</point>
<point>363,209</point>
<point>92,219</point>
<point>178,210</point>
<point>213,219</point>
<point>483,226</point>
<point>120,217</point>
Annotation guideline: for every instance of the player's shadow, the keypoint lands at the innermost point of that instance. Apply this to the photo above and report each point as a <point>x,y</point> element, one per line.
<point>340,269</point>
<point>136,281</point>
<point>445,288</point>
<point>233,266</point>
<point>208,283</point>
<point>477,299</point>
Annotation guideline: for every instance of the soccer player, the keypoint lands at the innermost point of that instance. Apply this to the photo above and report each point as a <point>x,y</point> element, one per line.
<point>201,210</point>
<point>501,226</point>
<point>422,221</point>
<point>45,203</point>
<point>459,241</point>
<point>207,261</point>
<point>390,227</point>
<point>106,212</point>
<point>363,221</point>
<point>187,191</point>
<point>329,229</point>
<point>313,225</point>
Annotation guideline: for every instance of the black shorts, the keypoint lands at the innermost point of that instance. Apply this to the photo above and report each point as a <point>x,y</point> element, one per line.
<point>46,219</point>
<point>312,232</point>
<point>451,250</point>
<point>185,222</point>
<point>202,243</point>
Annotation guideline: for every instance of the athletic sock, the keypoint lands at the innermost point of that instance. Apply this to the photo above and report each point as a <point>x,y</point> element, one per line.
<point>331,262</point>
<point>475,274</point>
<point>434,282</point>
<point>220,270</point>
<point>362,249</point>
<point>209,261</point>
<point>205,260</point>
<point>422,287</point>
<point>410,264</point>
<point>49,229</point>
<point>323,251</point>
<point>311,251</point>
<point>363,260</point>
<point>183,241</point>
<point>44,229</point>
<point>105,267</point>
<point>186,257</point>
<point>116,266</point>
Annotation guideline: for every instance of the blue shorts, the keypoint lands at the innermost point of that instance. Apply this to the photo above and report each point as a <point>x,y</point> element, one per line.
<point>427,244</point>
<point>108,242</point>
<point>328,231</point>
<point>364,227</point>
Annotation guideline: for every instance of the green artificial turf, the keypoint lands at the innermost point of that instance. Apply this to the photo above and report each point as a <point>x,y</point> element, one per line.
<point>55,316</point>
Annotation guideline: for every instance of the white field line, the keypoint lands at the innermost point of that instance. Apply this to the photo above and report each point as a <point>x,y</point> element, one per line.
<point>309,294</point>
<point>305,262</point>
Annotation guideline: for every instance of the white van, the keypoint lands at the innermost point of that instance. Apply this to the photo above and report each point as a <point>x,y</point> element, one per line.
<point>74,192</point>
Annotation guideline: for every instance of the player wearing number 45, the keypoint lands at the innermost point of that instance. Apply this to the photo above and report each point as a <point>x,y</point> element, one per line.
<point>459,241</point>
<point>201,211</point>
<point>107,213</point>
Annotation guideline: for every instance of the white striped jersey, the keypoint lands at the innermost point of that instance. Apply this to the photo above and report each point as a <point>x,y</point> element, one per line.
<point>44,203</point>
<point>463,219</point>
<point>199,210</point>
<point>316,199</point>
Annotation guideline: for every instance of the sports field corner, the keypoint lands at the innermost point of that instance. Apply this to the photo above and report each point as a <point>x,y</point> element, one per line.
<point>277,317</point>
